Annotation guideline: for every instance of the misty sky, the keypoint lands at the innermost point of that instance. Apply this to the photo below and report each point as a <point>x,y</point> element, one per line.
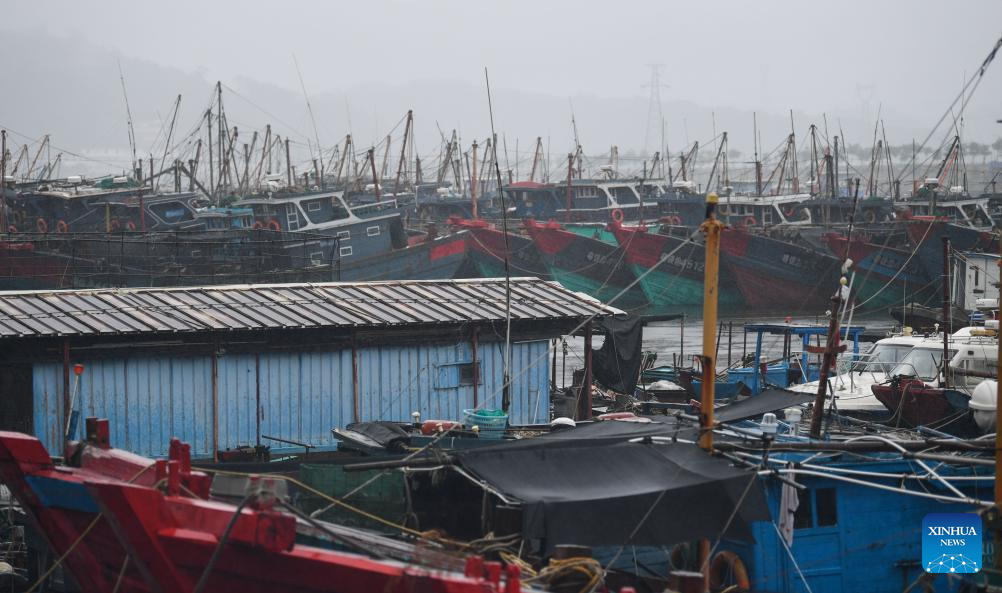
<point>842,58</point>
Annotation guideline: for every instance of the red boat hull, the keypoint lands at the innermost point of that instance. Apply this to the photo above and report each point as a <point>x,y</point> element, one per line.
<point>110,509</point>
<point>97,558</point>
<point>914,403</point>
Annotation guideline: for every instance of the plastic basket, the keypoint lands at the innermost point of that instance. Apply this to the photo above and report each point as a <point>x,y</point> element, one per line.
<point>491,423</point>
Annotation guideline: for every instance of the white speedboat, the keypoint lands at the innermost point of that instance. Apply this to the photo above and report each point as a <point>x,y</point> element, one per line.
<point>851,387</point>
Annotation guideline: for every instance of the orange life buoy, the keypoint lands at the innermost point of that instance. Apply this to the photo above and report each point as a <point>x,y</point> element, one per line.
<point>676,220</point>
<point>43,227</point>
<point>727,569</point>
<point>617,215</point>
<point>114,225</point>
<point>788,213</point>
<point>273,225</point>
<point>130,225</point>
<point>12,229</point>
<point>62,227</point>
<point>257,225</point>
<point>749,221</point>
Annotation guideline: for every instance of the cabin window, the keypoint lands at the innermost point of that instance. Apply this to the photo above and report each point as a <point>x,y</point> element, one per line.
<point>469,373</point>
<point>345,251</point>
<point>172,212</point>
<point>818,508</point>
<point>317,258</point>
<point>338,210</point>
<point>804,516</point>
<point>451,376</point>
<point>372,231</point>
<point>313,206</point>
<point>824,500</point>
<point>767,216</point>
<point>624,195</point>
<point>196,253</point>
<point>589,197</point>
<point>344,235</point>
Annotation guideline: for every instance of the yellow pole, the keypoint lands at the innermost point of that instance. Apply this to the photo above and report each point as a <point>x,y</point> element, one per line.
<point>711,229</point>
<point>107,218</point>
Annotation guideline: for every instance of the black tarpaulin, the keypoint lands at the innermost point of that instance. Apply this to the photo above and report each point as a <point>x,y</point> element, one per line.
<point>386,434</point>
<point>770,400</point>
<point>617,363</point>
<point>591,486</point>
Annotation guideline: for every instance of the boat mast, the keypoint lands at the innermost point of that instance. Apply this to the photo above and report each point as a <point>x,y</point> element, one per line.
<point>758,164</point>
<point>403,150</point>
<point>128,113</point>
<point>570,173</point>
<point>3,182</point>
<point>793,150</point>
<point>474,183</point>
<point>170,134</point>
<point>212,166</point>
<point>375,177</point>
<point>536,158</point>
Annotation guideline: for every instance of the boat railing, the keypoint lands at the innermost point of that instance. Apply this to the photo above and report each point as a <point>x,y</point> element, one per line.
<point>380,206</point>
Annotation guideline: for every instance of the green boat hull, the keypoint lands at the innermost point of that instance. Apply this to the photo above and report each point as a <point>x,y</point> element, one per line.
<point>665,289</point>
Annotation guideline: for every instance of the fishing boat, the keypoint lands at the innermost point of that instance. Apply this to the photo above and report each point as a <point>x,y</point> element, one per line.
<point>755,374</point>
<point>102,209</point>
<point>928,234</point>
<point>772,273</point>
<point>584,200</point>
<point>116,530</point>
<point>921,392</point>
<point>585,265</point>
<point>882,274</point>
<point>489,248</point>
<point>850,387</point>
<point>670,267</point>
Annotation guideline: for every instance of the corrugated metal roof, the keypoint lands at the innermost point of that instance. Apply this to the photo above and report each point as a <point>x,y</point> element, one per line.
<point>285,306</point>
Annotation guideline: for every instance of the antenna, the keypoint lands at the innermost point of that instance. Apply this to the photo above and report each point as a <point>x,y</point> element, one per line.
<point>505,378</point>
<point>309,109</point>
<point>654,110</point>
<point>128,113</point>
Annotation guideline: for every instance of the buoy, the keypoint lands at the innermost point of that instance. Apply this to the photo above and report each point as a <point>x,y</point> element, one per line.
<point>870,216</point>
<point>727,566</point>
<point>257,225</point>
<point>676,220</point>
<point>114,225</point>
<point>273,225</point>
<point>130,225</point>
<point>617,215</point>
<point>749,221</point>
<point>43,227</point>
<point>12,229</point>
<point>62,227</point>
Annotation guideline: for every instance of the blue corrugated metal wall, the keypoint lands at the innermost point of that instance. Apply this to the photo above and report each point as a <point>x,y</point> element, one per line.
<point>302,394</point>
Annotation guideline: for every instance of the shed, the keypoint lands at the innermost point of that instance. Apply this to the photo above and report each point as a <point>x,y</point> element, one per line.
<point>228,366</point>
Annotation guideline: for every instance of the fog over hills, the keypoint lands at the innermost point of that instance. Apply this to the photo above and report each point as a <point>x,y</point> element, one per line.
<point>68,85</point>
